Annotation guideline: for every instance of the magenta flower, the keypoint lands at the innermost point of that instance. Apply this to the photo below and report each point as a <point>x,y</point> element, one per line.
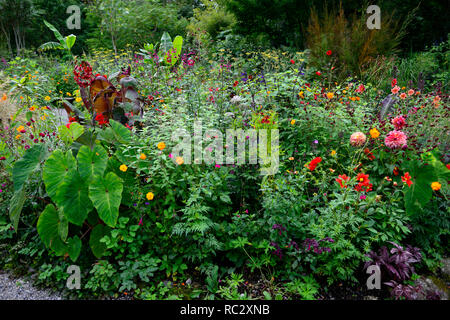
<point>395,139</point>
<point>398,122</point>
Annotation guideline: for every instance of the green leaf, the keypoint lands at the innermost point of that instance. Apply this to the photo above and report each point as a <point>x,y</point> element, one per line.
<point>420,192</point>
<point>121,133</point>
<point>70,41</point>
<point>98,248</point>
<point>72,134</point>
<point>106,195</point>
<point>166,43</point>
<point>55,31</point>
<point>73,197</point>
<point>15,207</point>
<point>74,248</point>
<point>92,162</point>
<point>63,227</point>
<point>56,169</point>
<point>47,227</point>
<point>117,133</point>
<point>27,164</point>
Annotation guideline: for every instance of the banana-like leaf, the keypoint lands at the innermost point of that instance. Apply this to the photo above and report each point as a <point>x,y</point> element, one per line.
<point>166,43</point>
<point>70,41</point>
<point>50,45</point>
<point>56,32</point>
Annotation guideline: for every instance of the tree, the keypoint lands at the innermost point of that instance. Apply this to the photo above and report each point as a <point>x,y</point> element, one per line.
<point>15,16</point>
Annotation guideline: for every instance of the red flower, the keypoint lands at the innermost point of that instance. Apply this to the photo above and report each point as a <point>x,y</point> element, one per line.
<point>369,154</point>
<point>343,178</point>
<point>235,83</point>
<point>448,166</point>
<point>67,125</point>
<point>396,171</point>
<point>100,118</point>
<point>363,183</point>
<point>329,52</point>
<point>319,73</point>
<point>314,162</point>
<point>83,74</point>
<point>292,61</point>
<point>2,158</point>
<point>407,179</point>
<point>394,82</point>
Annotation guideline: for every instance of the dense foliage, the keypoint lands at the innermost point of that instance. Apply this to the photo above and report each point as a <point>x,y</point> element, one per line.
<point>90,173</point>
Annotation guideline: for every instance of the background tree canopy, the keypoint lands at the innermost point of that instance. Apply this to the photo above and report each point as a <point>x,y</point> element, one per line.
<point>117,23</point>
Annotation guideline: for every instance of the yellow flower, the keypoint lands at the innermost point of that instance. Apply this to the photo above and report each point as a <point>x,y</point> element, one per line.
<point>143,156</point>
<point>123,168</point>
<point>47,98</point>
<point>179,161</point>
<point>333,152</point>
<point>18,136</point>
<point>301,95</point>
<point>150,196</point>
<point>374,133</point>
<point>69,94</point>
<point>78,99</point>
<point>32,108</point>
<point>330,95</point>
<point>293,121</point>
<point>436,186</point>
<point>161,145</point>
<point>20,128</point>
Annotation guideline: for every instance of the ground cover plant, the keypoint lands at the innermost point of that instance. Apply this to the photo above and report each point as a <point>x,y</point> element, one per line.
<point>91,175</point>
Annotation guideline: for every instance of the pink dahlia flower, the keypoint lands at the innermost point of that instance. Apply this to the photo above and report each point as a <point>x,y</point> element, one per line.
<point>357,139</point>
<point>395,139</point>
<point>398,122</point>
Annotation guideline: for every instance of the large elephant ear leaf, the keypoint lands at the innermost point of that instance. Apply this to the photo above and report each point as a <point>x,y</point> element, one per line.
<point>56,168</point>
<point>419,193</point>
<point>106,195</point>
<point>47,227</point>
<point>28,164</point>
<point>92,162</point>
<point>121,133</point>
<point>69,135</point>
<point>74,248</point>
<point>72,195</point>
<point>15,207</point>
<point>98,248</point>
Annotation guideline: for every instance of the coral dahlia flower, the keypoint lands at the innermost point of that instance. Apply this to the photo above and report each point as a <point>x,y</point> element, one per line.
<point>395,139</point>
<point>357,139</point>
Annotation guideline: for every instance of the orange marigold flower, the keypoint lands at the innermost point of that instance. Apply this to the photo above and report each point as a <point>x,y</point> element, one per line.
<point>161,145</point>
<point>436,186</point>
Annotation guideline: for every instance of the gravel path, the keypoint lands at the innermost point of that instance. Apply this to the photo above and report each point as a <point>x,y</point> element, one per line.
<point>20,289</point>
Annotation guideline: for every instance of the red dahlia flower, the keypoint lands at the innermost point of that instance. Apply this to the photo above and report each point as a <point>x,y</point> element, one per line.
<point>314,162</point>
